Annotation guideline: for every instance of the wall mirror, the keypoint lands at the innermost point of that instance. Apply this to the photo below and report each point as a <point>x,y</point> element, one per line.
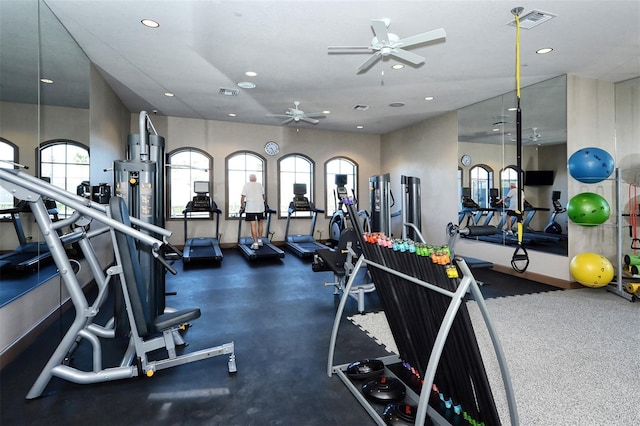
<point>487,152</point>
<point>33,46</point>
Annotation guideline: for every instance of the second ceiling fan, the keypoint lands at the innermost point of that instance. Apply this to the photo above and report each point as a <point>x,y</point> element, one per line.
<point>296,115</point>
<point>385,44</point>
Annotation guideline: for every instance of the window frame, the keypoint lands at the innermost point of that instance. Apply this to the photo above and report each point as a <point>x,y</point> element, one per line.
<point>482,197</point>
<point>15,159</point>
<point>64,211</point>
<point>261,178</point>
<point>328,203</point>
<point>283,212</point>
<point>209,157</point>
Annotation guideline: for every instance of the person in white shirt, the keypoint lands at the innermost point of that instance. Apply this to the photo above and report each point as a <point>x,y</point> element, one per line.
<point>252,201</point>
<point>510,201</point>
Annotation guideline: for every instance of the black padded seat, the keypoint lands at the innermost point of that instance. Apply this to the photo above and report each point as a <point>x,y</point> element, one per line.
<point>146,323</point>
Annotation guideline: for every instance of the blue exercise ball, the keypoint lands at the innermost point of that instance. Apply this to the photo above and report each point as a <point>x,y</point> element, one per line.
<point>590,165</point>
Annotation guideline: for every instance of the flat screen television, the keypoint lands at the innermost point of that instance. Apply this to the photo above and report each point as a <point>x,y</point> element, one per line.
<point>538,177</point>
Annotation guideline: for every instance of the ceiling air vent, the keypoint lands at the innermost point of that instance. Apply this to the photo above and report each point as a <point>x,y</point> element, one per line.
<point>229,92</point>
<point>533,19</point>
<point>361,107</point>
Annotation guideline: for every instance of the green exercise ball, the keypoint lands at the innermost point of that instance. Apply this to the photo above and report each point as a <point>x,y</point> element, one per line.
<point>588,209</point>
<point>591,269</point>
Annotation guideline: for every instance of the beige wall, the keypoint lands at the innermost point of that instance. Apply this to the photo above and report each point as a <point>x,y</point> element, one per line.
<point>428,151</point>
<point>220,139</point>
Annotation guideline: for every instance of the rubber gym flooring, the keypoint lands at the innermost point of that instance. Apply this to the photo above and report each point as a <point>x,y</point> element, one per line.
<point>279,315</point>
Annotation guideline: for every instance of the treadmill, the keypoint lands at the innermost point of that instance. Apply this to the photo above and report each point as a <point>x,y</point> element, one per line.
<point>301,244</point>
<point>267,251</point>
<point>201,249</point>
<point>29,256</point>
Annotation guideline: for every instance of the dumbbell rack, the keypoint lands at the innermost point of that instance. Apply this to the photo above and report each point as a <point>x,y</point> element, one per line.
<point>467,284</point>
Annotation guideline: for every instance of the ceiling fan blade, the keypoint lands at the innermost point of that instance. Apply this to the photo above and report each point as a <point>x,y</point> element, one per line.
<point>309,120</point>
<point>405,55</point>
<point>316,115</point>
<point>279,115</point>
<point>367,64</point>
<point>422,38</point>
<point>362,49</point>
<point>380,30</point>
<point>287,121</point>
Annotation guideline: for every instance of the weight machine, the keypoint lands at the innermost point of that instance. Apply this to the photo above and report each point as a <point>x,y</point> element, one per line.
<point>147,331</point>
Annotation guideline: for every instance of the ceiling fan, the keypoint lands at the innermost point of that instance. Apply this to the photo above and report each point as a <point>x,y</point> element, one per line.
<point>535,136</point>
<point>296,115</point>
<point>385,44</point>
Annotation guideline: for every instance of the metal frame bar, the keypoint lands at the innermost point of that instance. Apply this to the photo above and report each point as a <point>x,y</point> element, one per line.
<point>468,283</point>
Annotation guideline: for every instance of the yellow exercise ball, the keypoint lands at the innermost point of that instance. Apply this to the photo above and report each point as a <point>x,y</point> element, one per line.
<point>591,269</point>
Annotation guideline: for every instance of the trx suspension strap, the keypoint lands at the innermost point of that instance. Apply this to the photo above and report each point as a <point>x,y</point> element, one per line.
<point>520,258</point>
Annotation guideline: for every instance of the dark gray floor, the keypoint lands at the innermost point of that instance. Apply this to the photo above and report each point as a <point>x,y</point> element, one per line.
<point>278,313</point>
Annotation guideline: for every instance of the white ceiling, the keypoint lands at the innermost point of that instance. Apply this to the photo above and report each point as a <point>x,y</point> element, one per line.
<point>203,46</point>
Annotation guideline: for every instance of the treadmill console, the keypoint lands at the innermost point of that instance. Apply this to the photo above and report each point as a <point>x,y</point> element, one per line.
<point>201,203</point>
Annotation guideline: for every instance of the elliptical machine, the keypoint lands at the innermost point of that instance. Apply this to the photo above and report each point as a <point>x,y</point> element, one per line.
<point>338,221</point>
<point>554,227</point>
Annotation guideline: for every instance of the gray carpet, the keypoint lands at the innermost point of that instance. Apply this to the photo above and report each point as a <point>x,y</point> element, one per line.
<point>574,356</point>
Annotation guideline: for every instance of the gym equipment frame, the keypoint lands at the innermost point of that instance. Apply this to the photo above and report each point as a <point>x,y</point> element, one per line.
<point>146,334</point>
<point>466,284</point>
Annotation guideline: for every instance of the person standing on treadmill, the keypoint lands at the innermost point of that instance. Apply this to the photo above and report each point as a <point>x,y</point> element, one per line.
<point>252,201</point>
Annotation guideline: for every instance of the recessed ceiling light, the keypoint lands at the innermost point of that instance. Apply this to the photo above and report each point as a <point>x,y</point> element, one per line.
<point>397,66</point>
<point>150,23</point>
<point>512,109</point>
<point>46,80</point>
<point>169,94</point>
<point>359,127</point>
<point>326,111</point>
<point>396,104</point>
<point>544,50</point>
<point>495,129</point>
<point>232,114</point>
<point>251,73</point>
<point>247,85</point>
<point>428,98</point>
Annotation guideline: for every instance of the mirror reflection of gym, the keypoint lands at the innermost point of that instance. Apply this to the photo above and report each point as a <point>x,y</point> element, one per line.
<point>486,142</point>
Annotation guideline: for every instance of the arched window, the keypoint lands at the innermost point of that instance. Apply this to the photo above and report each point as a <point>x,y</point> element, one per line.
<point>239,166</point>
<point>338,166</point>
<point>508,175</point>
<point>481,179</point>
<point>186,166</point>
<point>294,168</point>
<point>8,155</point>
<point>65,164</point>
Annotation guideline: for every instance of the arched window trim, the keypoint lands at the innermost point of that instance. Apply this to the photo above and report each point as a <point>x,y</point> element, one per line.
<point>68,142</point>
<point>16,158</point>
<point>311,193</point>
<point>329,188</point>
<point>168,188</point>
<point>228,196</point>
<point>482,201</point>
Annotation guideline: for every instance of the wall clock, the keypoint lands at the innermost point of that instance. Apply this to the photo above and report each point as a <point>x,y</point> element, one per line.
<point>465,160</point>
<point>272,148</point>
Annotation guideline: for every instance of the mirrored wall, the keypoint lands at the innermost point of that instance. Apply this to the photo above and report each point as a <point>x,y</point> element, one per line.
<point>487,150</point>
